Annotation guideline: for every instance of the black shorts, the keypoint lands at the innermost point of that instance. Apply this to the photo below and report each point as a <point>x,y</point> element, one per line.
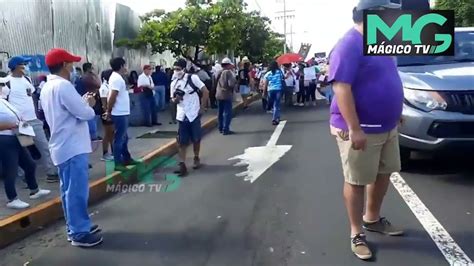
<point>189,131</point>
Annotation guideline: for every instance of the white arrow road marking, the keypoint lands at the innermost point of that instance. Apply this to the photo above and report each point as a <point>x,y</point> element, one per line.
<point>259,159</point>
<point>450,249</point>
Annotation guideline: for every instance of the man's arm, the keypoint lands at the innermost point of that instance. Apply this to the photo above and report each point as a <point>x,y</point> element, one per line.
<point>111,100</point>
<point>75,104</point>
<point>205,97</point>
<point>345,101</point>
<point>346,104</point>
<point>7,126</point>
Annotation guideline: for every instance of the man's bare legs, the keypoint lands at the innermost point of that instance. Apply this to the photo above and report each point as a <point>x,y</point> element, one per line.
<point>197,149</point>
<point>375,195</point>
<point>354,200</point>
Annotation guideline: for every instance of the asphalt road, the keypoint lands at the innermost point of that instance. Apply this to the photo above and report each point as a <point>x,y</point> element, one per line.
<point>293,214</point>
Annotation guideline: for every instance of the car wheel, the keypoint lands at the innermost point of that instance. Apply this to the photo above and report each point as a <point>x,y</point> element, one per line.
<point>405,156</point>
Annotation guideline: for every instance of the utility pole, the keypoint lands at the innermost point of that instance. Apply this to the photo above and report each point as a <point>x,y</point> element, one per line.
<point>284,24</point>
<point>285,17</point>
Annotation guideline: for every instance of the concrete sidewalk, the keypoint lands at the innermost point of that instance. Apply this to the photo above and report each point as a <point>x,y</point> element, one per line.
<point>139,147</point>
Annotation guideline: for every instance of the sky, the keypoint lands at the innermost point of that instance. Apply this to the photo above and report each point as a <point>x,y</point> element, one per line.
<point>319,22</point>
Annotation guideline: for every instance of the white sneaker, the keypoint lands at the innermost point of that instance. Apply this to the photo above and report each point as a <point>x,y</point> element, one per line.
<point>302,104</point>
<point>17,204</point>
<point>107,157</point>
<point>40,193</point>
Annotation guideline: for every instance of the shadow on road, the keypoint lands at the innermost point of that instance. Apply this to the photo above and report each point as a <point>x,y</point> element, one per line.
<point>452,168</point>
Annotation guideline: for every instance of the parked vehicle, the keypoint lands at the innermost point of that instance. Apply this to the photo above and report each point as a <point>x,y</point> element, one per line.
<point>438,113</point>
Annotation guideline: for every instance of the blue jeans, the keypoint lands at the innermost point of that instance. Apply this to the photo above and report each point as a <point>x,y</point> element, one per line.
<point>12,156</point>
<point>275,100</point>
<point>160,97</point>
<point>329,93</point>
<point>225,115</point>
<point>149,110</point>
<point>74,185</point>
<point>121,153</point>
<point>93,127</point>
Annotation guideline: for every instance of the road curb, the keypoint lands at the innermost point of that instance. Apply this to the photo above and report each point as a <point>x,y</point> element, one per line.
<point>25,223</point>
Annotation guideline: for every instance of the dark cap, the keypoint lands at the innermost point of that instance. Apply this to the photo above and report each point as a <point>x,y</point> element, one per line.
<point>58,56</point>
<point>182,63</point>
<point>368,4</point>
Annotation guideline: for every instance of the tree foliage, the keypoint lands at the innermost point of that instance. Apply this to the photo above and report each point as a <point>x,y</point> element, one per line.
<point>463,10</point>
<point>210,27</point>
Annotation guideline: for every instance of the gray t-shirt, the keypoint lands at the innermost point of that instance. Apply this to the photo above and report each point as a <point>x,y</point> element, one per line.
<point>225,85</point>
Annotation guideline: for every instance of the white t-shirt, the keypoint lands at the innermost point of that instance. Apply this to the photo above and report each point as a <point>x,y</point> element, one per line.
<point>18,97</point>
<point>7,115</point>
<point>190,105</point>
<point>122,104</point>
<point>104,90</point>
<point>4,91</point>
<point>144,80</point>
<point>290,81</point>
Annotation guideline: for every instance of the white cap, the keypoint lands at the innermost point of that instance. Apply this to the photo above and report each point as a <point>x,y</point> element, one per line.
<point>227,61</point>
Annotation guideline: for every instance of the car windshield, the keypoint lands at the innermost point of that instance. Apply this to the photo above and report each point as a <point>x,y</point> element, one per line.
<point>464,52</point>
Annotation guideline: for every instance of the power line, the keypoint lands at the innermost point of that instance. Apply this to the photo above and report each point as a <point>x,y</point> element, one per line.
<point>263,13</point>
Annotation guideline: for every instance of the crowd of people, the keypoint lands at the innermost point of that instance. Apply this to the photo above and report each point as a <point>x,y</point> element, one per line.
<point>56,122</point>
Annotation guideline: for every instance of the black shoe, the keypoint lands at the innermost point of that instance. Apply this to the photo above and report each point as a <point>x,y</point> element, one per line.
<point>157,124</point>
<point>132,162</point>
<point>274,123</point>
<point>149,125</point>
<point>94,230</point>
<point>182,170</point>
<point>226,133</point>
<point>90,166</point>
<point>88,241</point>
<point>120,168</point>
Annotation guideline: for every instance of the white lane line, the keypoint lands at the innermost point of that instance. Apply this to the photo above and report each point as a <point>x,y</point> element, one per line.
<point>450,249</point>
<point>276,134</point>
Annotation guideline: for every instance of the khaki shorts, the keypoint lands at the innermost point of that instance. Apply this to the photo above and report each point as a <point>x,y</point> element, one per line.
<point>381,156</point>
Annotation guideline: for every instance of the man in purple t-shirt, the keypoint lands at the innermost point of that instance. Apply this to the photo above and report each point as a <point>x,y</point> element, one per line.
<point>364,119</point>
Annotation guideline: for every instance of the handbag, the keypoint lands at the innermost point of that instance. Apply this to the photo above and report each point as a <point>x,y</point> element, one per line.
<point>24,139</point>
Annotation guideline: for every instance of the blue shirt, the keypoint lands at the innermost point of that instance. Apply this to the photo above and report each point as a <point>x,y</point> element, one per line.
<point>67,115</point>
<point>160,79</point>
<point>274,80</point>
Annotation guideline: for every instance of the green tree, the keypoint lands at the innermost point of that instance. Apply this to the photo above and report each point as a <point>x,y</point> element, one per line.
<point>210,27</point>
<point>463,10</point>
<point>254,37</point>
<point>273,47</point>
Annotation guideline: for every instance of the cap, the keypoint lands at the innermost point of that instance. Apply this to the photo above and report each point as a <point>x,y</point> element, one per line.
<point>182,63</point>
<point>227,61</point>
<point>245,60</point>
<point>368,4</point>
<point>18,60</point>
<point>147,67</point>
<point>57,56</point>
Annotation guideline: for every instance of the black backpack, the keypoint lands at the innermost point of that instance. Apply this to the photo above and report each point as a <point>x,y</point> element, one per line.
<point>193,86</point>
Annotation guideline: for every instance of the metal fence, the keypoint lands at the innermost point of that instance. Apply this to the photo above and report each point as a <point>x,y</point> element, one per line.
<point>85,27</point>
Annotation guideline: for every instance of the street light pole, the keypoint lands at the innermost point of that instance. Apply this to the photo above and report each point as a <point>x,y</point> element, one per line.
<point>284,25</point>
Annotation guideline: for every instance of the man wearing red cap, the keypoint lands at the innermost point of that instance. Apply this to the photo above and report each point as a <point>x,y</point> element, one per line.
<point>67,115</point>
